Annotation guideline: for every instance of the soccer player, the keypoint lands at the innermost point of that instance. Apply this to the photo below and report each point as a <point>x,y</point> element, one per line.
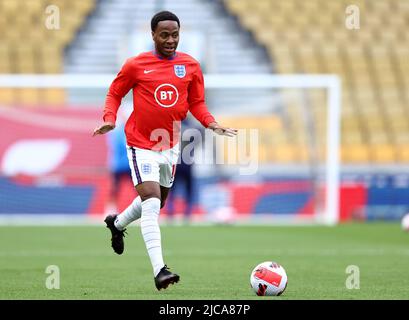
<point>166,85</point>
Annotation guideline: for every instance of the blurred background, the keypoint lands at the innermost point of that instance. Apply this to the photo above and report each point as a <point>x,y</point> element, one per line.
<point>52,167</point>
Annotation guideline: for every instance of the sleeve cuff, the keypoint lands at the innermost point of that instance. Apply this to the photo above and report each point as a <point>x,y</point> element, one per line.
<point>209,120</point>
<point>109,118</point>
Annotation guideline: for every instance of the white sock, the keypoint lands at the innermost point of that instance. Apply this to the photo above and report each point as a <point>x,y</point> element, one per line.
<point>151,232</point>
<point>132,213</point>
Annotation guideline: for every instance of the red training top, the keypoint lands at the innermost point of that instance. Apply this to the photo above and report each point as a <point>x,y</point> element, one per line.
<point>164,90</point>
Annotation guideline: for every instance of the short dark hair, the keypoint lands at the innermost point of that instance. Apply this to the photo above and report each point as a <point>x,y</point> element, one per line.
<point>163,16</point>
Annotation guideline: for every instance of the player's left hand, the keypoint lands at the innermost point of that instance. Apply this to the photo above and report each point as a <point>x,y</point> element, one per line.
<point>224,131</point>
<point>104,128</point>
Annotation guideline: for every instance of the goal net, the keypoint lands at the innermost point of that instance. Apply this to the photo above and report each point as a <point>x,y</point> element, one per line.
<point>282,167</point>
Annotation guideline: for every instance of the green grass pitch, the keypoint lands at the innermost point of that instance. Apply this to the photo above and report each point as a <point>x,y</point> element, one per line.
<point>214,262</point>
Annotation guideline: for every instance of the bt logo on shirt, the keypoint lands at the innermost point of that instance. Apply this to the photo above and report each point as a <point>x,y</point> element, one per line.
<point>166,95</point>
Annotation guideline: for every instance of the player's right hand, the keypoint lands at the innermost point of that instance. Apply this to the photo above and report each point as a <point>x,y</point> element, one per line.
<point>224,131</point>
<point>104,128</point>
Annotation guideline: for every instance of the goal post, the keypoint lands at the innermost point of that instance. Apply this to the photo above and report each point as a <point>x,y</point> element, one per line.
<point>240,87</point>
<point>332,83</point>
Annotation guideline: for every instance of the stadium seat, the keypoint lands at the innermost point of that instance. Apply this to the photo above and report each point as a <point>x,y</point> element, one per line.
<point>403,153</point>
<point>27,96</point>
<point>7,96</point>
<point>383,153</point>
<point>29,47</point>
<point>53,97</point>
<point>374,68</point>
<point>286,154</point>
<point>355,153</point>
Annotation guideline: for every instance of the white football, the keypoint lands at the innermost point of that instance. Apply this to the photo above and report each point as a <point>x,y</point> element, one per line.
<point>268,279</point>
<point>405,222</point>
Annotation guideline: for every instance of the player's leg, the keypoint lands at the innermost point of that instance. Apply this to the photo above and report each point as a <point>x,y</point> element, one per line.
<point>117,223</point>
<point>150,167</point>
<point>154,201</point>
<point>149,191</point>
<point>131,213</point>
<point>151,195</point>
<point>117,233</point>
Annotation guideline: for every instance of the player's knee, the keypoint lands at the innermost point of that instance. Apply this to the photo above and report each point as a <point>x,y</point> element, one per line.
<point>150,196</point>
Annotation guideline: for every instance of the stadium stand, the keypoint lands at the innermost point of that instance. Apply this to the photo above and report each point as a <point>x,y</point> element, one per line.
<point>66,170</point>
<point>311,37</point>
<point>299,36</point>
<point>30,47</point>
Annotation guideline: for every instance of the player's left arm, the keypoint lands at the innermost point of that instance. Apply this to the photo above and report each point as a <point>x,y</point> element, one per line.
<point>197,106</point>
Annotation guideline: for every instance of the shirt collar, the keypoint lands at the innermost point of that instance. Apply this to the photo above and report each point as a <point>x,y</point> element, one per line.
<point>162,58</point>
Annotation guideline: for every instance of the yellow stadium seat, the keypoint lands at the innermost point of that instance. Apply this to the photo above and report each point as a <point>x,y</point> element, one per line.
<point>287,6</point>
<point>403,153</point>
<point>28,33</point>
<point>263,6</point>
<point>282,58</point>
<point>251,21</point>
<point>378,136</point>
<point>388,36</point>
<point>262,154</point>
<point>264,35</point>
<point>5,54</point>
<point>6,68</point>
<point>352,137</point>
<point>238,7</point>
<point>27,97</point>
<point>277,22</point>
<point>83,7</point>
<point>303,153</point>
<point>285,153</point>
<point>398,22</point>
<point>372,63</point>
<point>54,97</point>
<point>34,7</point>
<point>309,59</point>
<point>7,96</point>
<point>401,137</point>
<point>355,153</point>
<point>10,7</point>
<point>383,153</point>
<point>264,123</point>
<point>316,36</point>
<point>398,118</point>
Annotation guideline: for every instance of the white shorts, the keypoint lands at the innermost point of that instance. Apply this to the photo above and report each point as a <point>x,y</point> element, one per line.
<point>148,165</point>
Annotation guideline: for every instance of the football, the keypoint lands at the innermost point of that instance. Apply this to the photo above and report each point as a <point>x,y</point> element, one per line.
<point>405,222</point>
<point>268,279</point>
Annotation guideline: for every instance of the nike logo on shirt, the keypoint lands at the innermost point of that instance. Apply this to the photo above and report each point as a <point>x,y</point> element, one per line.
<point>148,71</point>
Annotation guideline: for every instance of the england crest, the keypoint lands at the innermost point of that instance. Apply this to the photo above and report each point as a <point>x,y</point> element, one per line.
<point>146,168</point>
<point>180,70</point>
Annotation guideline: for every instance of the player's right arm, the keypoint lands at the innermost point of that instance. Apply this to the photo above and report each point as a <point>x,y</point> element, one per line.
<point>198,108</point>
<point>124,81</point>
